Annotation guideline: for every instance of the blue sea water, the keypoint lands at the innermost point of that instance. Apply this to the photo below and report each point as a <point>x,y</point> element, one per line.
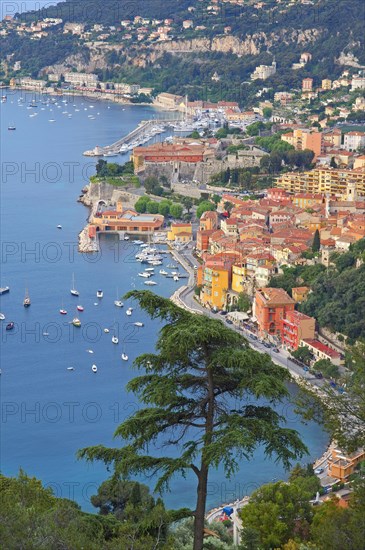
<point>48,412</point>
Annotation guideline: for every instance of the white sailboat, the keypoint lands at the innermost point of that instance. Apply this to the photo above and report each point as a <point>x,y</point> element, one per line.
<point>124,356</point>
<point>2,317</point>
<point>73,290</point>
<point>99,294</point>
<point>94,368</point>
<point>118,302</point>
<point>138,324</point>
<point>129,311</point>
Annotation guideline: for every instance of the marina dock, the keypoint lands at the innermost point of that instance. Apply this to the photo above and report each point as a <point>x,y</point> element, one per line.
<point>135,136</point>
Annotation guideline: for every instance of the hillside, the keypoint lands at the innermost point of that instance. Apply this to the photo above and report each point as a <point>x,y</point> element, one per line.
<point>338,297</point>
<point>224,38</point>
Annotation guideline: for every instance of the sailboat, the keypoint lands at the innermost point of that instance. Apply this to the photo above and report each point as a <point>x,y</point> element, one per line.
<point>129,311</point>
<point>99,294</point>
<point>73,290</point>
<point>63,311</point>
<point>115,339</point>
<point>118,302</point>
<point>26,301</point>
<point>124,356</point>
<point>80,308</point>
<point>2,317</point>
<point>94,368</point>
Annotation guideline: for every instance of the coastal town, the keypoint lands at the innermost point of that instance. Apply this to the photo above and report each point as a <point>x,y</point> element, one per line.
<point>242,186</point>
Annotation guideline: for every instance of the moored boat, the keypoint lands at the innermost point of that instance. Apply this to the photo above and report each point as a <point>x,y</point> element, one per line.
<point>80,308</point>
<point>26,301</point>
<point>4,290</point>
<point>99,294</point>
<point>10,326</point>
<point>73,290</point>
<point>2,317</point>
<point>94,368</point>
<point>76,322</point>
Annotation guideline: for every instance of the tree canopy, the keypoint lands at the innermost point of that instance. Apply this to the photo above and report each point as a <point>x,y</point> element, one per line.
<point>197,393</point>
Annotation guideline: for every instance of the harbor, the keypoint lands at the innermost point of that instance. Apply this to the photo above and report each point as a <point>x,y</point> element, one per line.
<point>145,131</point>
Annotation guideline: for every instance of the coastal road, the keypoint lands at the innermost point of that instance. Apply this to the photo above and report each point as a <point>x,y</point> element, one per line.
<point>282,358</point>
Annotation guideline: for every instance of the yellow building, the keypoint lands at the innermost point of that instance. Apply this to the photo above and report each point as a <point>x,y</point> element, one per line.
<point>239,274</point>
<point>306,200</point>
<point>323,180</point>
<point>326,84</point>
<point>216,279</point>
<point>300,293</point>
<point>180,232</point>
<point>359,162</point>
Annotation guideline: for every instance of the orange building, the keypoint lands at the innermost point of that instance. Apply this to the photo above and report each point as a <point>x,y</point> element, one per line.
<point>203,239</point>
<point>302,139</point>
<point>126,220</point>
<point>208,220</point>
<point>296,326</point>
<point>167,153</point>
<point>307,84</point>
<point>341,465</point>
<point>271,306</point>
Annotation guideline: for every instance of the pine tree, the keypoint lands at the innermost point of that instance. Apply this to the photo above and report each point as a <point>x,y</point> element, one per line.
<point>197,391</point>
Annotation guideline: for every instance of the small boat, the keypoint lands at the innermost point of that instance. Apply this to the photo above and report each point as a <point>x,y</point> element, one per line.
<point>170,266</point>
<point>118,302</point>
<point>94,368</point>
<point>2,317</point>
<point>10,326</point>
<point>99,294</point>
<point>4,290</point>
<point>26,301</point>
<point>129,311</point>
<point>138,324</point>
<point>76,322</point>
<point>11,127</point>
<point>124,356</point>
<point>63,311</point>
<point>126,238</point>
<point>73,290</point>
<point>45,333</point>
<point>163,272</point>
<point>115,340</point>
<point>70,368</point>
<point>51,120</point>
<point>106,330</point>
<point>150,269</point>
<point>59,226</point>
<point>150,283</point>
<point>176,278</point>
<point>80,308</point>
<point>144,274</point>
<point>89,351</point>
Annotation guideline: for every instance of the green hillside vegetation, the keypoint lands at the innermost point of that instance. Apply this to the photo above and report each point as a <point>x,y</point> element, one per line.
<point>337,299</point>
<point>339,27</point>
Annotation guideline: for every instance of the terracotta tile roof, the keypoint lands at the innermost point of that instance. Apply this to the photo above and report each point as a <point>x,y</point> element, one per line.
<point>316,344</point>
<point>275,296</point>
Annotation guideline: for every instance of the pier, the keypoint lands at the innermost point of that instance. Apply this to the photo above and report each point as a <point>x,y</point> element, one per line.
<point>135,135</point>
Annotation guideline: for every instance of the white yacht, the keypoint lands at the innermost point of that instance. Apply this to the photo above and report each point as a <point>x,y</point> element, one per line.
<point>99,294</point>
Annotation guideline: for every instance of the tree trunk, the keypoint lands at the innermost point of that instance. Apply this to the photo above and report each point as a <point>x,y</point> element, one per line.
<point>203,474</point>
<point>200,508</point>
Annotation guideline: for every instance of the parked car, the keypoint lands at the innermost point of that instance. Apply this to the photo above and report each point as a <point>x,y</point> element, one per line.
<point>276,350</point>
<point>267,345</point>
<point>223,312</point>
<point>319,375</point>
<point>229,322</point>
<point>318,471</point>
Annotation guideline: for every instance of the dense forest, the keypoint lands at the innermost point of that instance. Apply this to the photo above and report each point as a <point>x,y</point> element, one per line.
<point>332,28</point>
